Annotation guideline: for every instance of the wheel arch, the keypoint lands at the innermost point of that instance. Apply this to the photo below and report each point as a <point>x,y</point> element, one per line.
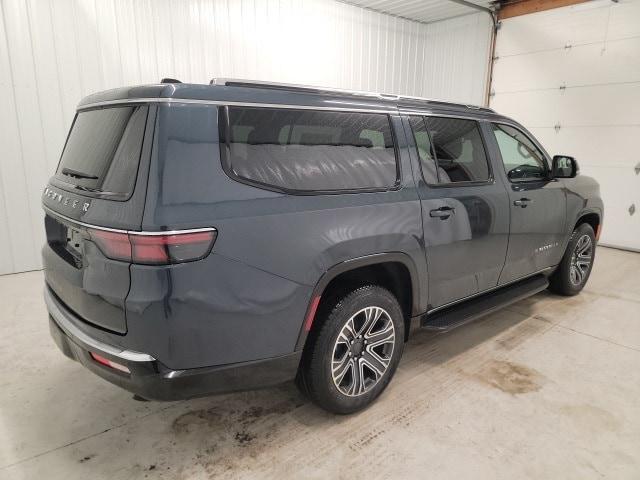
<point>391,263</point>
<point>592,217</point>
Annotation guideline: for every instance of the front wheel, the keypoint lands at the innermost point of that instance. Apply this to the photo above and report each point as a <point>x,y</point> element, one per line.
<point>573,272</point>
<point>353,356</point>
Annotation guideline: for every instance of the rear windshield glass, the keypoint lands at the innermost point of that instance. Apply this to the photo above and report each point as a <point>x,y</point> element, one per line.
<point>304,150</point>
<point>102,152</point>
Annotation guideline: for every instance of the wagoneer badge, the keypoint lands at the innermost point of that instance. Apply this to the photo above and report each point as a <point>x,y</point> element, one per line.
<point>57,196</point>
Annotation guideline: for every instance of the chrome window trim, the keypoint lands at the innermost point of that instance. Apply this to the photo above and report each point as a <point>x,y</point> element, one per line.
<point>60,317</point>
<point>431,113</point>
<point>129,232</point>
<point>190,101</point>
<point>479,118</point>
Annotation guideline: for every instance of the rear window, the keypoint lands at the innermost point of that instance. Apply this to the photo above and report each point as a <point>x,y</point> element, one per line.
<point>309,151</point>
<point>102,152</point>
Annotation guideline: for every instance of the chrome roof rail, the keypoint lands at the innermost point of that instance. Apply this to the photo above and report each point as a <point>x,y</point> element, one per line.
<point>240,82</point>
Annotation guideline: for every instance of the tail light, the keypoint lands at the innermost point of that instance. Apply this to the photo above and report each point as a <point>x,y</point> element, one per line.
<point>156,248</point>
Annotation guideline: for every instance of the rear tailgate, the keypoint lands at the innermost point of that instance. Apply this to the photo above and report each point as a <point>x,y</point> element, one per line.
<point>99,184</point>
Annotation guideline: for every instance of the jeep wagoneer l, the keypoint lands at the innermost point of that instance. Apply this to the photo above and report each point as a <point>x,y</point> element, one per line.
<point>209,238</point>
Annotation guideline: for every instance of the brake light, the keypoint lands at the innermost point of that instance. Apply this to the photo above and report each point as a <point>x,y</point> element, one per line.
<point>154,249</point>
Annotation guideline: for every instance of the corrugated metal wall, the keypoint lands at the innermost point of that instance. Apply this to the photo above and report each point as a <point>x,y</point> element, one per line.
<point>53,52</point>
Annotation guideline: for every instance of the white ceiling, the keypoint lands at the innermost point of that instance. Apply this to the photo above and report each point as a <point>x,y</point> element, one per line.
<point>421,10</point>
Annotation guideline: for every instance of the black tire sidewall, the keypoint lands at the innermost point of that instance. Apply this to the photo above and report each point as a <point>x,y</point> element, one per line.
<point>318,378</point>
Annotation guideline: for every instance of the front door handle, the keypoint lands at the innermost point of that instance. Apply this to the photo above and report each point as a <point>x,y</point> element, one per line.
<point>442,213</point>
<point>523,202</point>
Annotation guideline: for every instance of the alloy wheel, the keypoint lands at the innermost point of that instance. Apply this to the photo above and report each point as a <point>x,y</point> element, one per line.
<point>363,351</point>
<point>581,260</point>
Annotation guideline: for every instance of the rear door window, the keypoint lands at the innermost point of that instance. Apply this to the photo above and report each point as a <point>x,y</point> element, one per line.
<point>102,152</point>
<point>450,150</point>
<point>458,149</point>
<point>309,151</point>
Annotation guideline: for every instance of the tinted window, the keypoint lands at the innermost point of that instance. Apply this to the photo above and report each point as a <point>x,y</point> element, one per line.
<point>102,152</point>
<point>459,150</point>
<point>425,149</point>
<point>522,159</point>
<point>310,150</point>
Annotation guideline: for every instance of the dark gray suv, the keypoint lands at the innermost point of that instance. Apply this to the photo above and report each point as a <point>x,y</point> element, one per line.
<point>209,238</point>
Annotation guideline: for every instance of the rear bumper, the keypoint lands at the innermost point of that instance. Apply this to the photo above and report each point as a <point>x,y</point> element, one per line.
<point>149,378</point>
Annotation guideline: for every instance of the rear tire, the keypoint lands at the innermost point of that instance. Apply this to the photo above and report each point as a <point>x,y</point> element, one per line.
<point>575,267</point>
<point>354,354</point>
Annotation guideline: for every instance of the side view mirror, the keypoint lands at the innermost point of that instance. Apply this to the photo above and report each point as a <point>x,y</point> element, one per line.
<point>564,167</point>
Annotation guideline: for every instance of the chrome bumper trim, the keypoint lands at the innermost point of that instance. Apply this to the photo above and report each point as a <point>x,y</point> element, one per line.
<point>74,332</point>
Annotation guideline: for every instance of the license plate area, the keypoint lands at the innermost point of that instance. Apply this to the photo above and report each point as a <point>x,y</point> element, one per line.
<point>65,240</point>
<point>74,242</point>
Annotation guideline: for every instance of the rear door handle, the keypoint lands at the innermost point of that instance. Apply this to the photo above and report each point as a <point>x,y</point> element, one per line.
<point>442,213</point>
<point>523,202</point>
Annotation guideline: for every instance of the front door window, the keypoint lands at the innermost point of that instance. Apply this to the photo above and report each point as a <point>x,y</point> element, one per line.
<point>522,159</point>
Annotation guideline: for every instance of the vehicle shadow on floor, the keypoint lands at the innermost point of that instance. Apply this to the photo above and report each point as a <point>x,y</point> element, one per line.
<point>219,434</point>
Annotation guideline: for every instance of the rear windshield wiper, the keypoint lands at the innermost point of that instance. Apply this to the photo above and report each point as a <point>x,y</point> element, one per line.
<point>74,173</point>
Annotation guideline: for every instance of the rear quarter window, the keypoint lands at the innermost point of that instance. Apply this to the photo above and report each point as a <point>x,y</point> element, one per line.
<point>308,151</point>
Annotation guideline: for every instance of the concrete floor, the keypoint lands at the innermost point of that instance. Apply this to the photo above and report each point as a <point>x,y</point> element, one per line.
<point>548,388</point>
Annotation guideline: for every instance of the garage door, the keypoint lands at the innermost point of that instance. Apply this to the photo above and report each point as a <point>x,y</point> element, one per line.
<point>572,76</point>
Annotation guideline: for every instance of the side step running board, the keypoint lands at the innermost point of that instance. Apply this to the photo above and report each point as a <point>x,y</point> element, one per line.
<point>465,312</point>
